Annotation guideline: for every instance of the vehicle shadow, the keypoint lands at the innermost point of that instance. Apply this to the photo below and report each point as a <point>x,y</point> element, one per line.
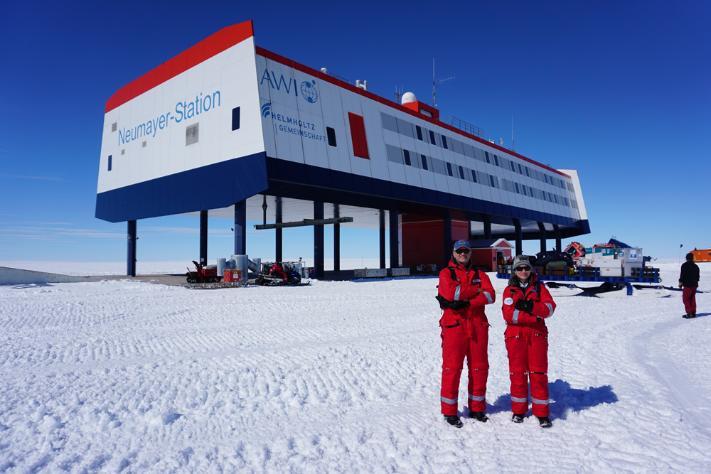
<point>564,399</point>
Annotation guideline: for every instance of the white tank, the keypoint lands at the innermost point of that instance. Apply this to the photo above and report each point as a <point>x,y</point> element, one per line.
<point>408,97</point>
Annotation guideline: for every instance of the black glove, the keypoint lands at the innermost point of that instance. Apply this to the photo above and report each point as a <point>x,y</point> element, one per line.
<point>444,303</point>
<point>524,305</point>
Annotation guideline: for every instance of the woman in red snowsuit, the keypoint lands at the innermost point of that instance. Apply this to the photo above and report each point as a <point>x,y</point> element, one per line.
<point>463,292</point>
<point>527,303</point>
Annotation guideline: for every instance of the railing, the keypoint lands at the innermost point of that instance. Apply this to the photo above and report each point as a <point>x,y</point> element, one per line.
<point>465,126</point>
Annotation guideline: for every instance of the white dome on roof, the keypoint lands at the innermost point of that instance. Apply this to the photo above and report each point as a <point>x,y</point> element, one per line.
<point>408,97</point>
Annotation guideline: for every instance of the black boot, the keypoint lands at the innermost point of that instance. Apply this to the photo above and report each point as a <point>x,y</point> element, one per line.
<point>692,315</point>
<point>479,416</point>
<point>686,316</point>
<point>517,418</point>
<point>453,420</point>
<point>544,421</point>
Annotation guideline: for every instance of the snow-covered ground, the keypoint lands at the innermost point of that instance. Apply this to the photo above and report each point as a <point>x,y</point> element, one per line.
<point>336,377</point>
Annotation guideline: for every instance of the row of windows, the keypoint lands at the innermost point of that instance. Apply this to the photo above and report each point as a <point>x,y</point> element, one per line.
<point>406,128</point>
<point>428,163</point>
<point>530,191</point>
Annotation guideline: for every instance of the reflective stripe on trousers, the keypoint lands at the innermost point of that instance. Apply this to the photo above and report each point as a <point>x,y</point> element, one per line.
<point>448,401</point>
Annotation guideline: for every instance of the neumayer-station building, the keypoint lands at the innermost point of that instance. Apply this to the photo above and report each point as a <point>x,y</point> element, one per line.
<point>227,126</point>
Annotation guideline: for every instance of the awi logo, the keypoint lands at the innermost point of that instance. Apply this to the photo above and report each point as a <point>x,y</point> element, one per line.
<point>266,109</point>
<point>309,91</point>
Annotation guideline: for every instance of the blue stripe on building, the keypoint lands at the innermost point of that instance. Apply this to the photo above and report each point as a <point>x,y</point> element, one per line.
<point>209,187</point>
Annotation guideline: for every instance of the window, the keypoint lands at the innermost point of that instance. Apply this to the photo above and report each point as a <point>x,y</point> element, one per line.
<point>449,169</point>
<point>517,189</point>
<point>235,118</point>
<point>461,172</point>
<point>496,160</point>
<point>486,155</point>
<point>513,166</point>
<point>432,138</point>
<point>360,144</point>
<point>520,169</point>
<point>419,132</point>
<point>444,141</point>
<point>394,154</point>
<point>474,176</point>
<point>527,172</point>
<point>424,162</point>
<point>192,134</point>
<point>331,134</point>
<point>407,158</point>
<point>491,180</point>
<point>109,163</point>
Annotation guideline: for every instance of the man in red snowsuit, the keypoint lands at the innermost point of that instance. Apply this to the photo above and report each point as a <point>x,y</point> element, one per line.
<point>463,292</point>
<point>689,281</point>
<point>527,303</point>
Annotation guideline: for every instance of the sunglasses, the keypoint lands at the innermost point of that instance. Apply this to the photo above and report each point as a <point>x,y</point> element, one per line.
<point>523,269</point>
<point>462,251</point>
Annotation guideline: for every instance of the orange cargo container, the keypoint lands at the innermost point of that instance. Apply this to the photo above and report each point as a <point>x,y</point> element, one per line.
<point>703,255</point>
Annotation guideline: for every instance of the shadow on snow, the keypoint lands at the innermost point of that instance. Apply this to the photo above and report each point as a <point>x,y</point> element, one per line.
<point>564,399</point>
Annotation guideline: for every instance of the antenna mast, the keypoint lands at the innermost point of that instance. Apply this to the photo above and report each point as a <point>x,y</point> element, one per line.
<point>436,81</point>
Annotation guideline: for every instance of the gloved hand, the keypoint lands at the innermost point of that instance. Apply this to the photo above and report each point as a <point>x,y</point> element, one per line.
<point>459,304</point>
<point>445,303</point>
<point>680,285</point>
<point>524,305</point>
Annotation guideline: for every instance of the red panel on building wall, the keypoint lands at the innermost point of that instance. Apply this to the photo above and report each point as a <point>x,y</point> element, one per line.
<point>360,144</point>
<point>422,238</point>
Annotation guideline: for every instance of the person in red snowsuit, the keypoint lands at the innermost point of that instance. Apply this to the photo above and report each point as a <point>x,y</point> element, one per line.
<point>689,281</point>
<point>463,292</point>
<point>527,303</point>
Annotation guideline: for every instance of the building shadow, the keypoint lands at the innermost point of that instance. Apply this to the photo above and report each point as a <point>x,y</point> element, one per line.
<point>564,399</point>
<point>27,286</point>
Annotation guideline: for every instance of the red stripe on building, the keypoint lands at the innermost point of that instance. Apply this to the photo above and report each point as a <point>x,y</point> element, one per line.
<point>356,90</point>
<point>360,144</point>
<point>205,49</point>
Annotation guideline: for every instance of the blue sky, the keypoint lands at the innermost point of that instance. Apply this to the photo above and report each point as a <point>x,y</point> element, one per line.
<point>618,90</point>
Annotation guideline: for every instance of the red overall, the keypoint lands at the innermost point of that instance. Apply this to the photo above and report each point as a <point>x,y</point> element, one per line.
<point>689,298</point>
<point>465,333</point>
<point>526,338</point>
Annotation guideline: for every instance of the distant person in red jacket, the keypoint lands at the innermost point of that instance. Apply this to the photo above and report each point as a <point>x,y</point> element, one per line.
<point>527,303</point>
<point>463,291</point>
<point>689,281</point>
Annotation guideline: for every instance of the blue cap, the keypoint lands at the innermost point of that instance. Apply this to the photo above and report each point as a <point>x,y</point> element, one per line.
<point>460,244</point>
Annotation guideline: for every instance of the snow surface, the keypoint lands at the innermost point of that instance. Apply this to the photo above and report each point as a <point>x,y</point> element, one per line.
<point>336,377</point>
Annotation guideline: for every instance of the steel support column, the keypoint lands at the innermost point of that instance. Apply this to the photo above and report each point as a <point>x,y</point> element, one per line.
<point>519,237</point>
<point>487,227</point>
<point>336,239</point>
<point>203,237</point>
<point>318,241</point>
<point>131,250</point>
<point>240,227</point>
<point>542,230</point>
<point>558,244</point>
<point>382,237</point>
<point>278,247</point>
<point>394,239</point>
